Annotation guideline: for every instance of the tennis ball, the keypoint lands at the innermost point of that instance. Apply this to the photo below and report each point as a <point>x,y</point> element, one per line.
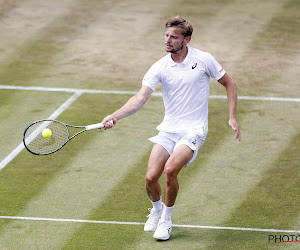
<point>47,133</point>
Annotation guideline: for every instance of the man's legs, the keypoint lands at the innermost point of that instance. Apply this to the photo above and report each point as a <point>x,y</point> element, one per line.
<point>178,159</point>
<point>181,156</point>
<point>160,161</point>
<point>156,164</point>
<point>183,149</point>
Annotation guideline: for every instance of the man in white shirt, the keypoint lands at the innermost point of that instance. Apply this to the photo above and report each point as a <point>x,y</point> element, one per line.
<point>184,74</point>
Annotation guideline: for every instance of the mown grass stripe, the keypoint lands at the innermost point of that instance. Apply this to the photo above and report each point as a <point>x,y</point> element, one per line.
<point>32,59</point>
<point>54,115</point>
<point>142,223</point>
<point>271,61</point>
<point>272,202</point>
<point>74,181</point>
<point>273,198</point>
<point>19,22</point>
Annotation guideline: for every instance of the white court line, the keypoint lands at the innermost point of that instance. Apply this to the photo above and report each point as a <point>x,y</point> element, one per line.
<point>140,223</point>
<point>94,91</point>
<point>56,113</point>
<point>70,90</point>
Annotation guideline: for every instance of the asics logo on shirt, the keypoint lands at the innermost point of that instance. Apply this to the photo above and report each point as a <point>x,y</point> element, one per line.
<point>194,66</point>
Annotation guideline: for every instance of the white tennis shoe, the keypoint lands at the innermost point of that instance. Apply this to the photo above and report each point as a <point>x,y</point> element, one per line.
<point>163,229</point>
<point>153,218</point>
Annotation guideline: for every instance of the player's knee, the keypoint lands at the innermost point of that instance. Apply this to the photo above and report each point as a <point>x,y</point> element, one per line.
<point>151,179</point>
<point>170,173</point>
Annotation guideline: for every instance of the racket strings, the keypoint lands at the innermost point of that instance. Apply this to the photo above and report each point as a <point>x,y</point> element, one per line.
<point>38,144</point>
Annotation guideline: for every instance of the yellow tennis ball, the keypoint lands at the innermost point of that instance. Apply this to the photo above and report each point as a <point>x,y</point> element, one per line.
<point>47,133</point>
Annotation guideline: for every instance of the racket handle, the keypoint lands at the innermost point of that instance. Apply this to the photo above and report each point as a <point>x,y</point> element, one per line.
<point>94,126</point>
<point>97,125</point>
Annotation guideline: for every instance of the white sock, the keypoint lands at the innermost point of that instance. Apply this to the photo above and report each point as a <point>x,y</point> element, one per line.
<point>167,211</point>
<point>157,205</point>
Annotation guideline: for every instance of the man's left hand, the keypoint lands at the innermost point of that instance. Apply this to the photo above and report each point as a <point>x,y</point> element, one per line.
<point>235,126</point>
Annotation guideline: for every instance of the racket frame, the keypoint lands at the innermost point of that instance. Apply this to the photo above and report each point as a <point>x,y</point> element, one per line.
<point>85,128</point>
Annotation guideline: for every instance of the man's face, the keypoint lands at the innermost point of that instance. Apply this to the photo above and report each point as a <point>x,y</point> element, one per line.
<point>174,40</point>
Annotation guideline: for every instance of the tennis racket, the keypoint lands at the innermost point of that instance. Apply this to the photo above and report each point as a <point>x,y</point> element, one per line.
<point>37,143</point>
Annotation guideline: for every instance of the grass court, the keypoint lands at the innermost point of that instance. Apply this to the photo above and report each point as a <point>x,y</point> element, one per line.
<point>80,60</point>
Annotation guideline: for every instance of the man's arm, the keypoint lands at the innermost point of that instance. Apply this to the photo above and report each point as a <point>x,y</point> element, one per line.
<point>231,90</point>
<point>133,105</point>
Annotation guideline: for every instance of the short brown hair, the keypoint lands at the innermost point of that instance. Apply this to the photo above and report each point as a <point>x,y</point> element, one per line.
<point>180,22</point>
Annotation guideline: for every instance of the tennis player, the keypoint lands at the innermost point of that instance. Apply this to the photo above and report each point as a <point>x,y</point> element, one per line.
<point>184,74</point>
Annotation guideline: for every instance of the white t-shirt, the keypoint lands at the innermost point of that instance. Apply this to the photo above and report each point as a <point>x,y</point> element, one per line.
<point>185,89</point>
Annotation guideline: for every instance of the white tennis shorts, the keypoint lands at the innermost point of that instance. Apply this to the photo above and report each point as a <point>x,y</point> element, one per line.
<point>171,141</point>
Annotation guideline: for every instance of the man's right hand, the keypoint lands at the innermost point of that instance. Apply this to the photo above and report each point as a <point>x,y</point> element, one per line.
<point>108,122</point>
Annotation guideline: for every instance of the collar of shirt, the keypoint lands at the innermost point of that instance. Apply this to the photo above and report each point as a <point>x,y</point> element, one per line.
<point>185,61</point>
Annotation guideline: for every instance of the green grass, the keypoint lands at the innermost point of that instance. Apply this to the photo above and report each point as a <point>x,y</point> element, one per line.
<point>100,176</point>
<point>270,203</point>
<point>19,109</point>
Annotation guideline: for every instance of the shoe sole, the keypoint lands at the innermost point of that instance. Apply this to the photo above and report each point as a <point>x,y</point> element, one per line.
<point>159,238</point>
<point>162,238</point>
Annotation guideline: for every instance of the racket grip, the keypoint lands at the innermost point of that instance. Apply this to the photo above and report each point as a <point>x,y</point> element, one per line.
<point>97,125</point>
<point>94,126</point>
